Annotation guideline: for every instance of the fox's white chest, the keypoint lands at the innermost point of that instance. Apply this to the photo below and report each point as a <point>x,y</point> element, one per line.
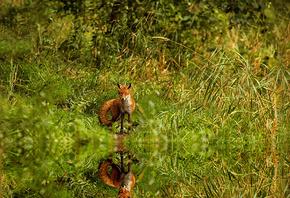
<point>126,105</point>
<point>126,181</point>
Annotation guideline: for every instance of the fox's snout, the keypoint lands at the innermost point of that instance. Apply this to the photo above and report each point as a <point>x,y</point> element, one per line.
<point>123,98</point>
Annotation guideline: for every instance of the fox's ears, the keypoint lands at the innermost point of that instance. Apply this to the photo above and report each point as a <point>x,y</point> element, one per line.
<point>119,86</point>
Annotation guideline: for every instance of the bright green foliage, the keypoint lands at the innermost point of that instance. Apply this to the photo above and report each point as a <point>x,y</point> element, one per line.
<point>211,82</point>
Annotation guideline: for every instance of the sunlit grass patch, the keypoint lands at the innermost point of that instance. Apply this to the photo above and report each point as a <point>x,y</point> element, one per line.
<point>211,92</point>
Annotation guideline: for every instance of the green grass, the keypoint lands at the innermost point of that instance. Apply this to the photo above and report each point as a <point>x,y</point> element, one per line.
<point>208,129</point>
<point>211,118</point>
<point>204,130</point>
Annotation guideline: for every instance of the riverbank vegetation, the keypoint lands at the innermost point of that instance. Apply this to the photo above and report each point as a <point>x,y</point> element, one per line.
<point>210,79</point>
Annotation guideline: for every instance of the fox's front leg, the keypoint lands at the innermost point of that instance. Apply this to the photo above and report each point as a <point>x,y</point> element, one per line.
<point>130,122</point>
<point>122,123</point>
<point>122,163</point>
<point>130,164</point>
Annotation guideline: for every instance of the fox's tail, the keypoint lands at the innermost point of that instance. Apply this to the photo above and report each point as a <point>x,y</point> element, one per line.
<point>113,179</point>
<point>104,111</point>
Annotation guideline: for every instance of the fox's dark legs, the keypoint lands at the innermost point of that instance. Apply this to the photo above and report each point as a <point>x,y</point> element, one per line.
<point>122,163</point>
<point>130,122</point>
<point>130,163</point>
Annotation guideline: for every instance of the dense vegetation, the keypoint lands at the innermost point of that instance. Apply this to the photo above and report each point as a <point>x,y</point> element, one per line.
<point>211,82</point>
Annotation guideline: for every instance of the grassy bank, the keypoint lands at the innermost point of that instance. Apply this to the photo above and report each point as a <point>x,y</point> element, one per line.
<point>212,113</point>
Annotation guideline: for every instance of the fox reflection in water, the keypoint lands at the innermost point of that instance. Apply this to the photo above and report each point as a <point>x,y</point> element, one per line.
<point>124,180</point>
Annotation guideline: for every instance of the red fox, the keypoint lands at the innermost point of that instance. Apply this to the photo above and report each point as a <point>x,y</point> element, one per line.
<point>121,106</point>
<point>119,178</point>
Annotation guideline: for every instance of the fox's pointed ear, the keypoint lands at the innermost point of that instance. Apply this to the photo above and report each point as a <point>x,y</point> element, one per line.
<point>129,86</point>
<point>119,86</point>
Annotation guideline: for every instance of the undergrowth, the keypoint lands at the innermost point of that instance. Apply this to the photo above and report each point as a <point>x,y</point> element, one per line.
<point>211,92</point>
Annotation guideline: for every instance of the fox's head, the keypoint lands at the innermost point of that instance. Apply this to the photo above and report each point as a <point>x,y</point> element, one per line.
<point>124,92</point>
<point>124,193</point>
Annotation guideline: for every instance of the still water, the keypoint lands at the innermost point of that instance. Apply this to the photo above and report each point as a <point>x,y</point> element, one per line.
<point>122,166</point>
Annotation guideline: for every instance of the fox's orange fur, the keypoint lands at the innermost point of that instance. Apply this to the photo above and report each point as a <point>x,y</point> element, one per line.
<point>119,178</point>
<point>113,179</point>
<point>119,107</point>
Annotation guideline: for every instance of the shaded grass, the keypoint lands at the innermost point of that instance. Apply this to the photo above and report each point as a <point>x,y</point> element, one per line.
<point>204,130</point>
<point>207,124</point>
